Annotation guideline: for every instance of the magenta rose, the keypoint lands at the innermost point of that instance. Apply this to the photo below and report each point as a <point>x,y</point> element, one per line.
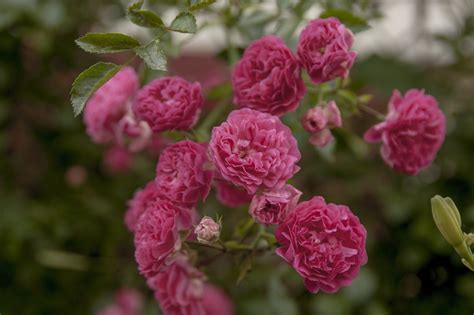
<point>184,173</point>
<point>412,133</point>
<point>207,231</point>
<point>268,77</point>
<point>319,120</point>
<point>109,104</point>
<point>325,243</point>
<point>272,206</point>
<point>156,237</point>
<point>180,289</point>
<point>129,300</point>
<point>216,302</point>
<point>138,204</point>
<point>324,50</point>
<point>231,196</point>
<point>254,150</point>
<point>169,103</point>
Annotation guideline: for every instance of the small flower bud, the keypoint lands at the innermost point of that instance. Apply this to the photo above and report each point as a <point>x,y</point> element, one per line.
<point>447,219</point>
<point>208,230</point>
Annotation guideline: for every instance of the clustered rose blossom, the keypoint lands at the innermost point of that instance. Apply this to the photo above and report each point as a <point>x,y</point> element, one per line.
<point>319,120</point>
<point>324,50</point>
<point>268,77</point>
<point>230,195</point>
<point>156,237</point>
<point>207,231</point>
<point>183,172</point>
<point>169,103</point>
<point>127,302</point>
<point>412,133</point>
<point>108,105</point>
<point>272,206</point>
<point>138,204</point>
<point>254,150</point>
<point>325,243</point>
<point>180,289</point>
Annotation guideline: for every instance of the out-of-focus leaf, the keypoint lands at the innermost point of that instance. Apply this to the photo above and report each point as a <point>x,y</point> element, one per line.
<point>244,268</point>
<point>280,302</point>
<point>199,4</point>
<point>354,22</point>
<point>153,55</point>
<point>107,42</point>
<point>145,18</point>
<point>89,81</point>
<point>184,22</point>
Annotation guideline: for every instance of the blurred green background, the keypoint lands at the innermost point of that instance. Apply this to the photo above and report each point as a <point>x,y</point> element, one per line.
<point>65,249</point>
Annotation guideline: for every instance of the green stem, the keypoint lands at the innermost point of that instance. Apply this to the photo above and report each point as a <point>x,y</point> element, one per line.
<point>372,111</point>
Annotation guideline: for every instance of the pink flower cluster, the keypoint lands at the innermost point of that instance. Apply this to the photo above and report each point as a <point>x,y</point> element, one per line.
<point>412,133</point>
<point>121,115</point>
<point>268,77</point>
<point>319,120</point>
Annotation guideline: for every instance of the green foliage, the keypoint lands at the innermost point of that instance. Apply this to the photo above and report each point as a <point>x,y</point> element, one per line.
<point>145,18</point>
<point>107,42</point>
<point>199,4</point>
<point>184,22</point>
<point>153,55</point>
<point>89,81</point>
<point>354,22</point>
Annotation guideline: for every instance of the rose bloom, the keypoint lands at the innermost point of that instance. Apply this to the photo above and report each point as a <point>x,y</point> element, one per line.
<point>231,196</point>
<point>169,103</point>
<point>156,237</point>
<point>324,50</point>
<point>318,120</point>
<point>268,77</point>
<point>216,302</point>
<point>412,133</point>
<point>132,134</point>
<point>108,105</point>
<point>183,172</point>
<point>325,243</point>
<point>272,206</point>
<point>254,150</point>
<point>180,289</point>
<point>138,204</point>
<point>127,302</point>
<point>208,230</point>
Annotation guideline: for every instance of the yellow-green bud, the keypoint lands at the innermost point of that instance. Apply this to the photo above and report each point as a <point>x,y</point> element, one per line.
<point>448,220</point>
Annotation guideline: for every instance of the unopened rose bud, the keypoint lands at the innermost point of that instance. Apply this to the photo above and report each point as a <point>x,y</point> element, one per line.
<point>447,219</point>
<point>207,231</point>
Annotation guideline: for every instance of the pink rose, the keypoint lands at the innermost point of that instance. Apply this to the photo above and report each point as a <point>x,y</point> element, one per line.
<point>412,132</point>
<point>324,50</point>
<point>268,77</point>
<point>118,160</point>
<point>169,103</point>
<point>325,243</point>
<point>138,204</point>
<point>272,206</point>
<point>216,302</point>
<point>156,237</point>
<point>254,150</point>
<point>207,231</point>
<point>133,134</point>
<point>108,105</point>
<point>231,196</point>
<point>183,172</point>
<point>318,120</point>
<point>180,289</point>
<point>111,310</point>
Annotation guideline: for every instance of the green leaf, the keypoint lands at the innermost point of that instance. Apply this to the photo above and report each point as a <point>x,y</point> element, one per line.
<point>199,4</point>
<point>354,22</point>
<point>185,22</point>
<point>145,18</point>
<point>106,42</point>
<point>89,81</point>
<point>244,268</point>
<point>153,55</point>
